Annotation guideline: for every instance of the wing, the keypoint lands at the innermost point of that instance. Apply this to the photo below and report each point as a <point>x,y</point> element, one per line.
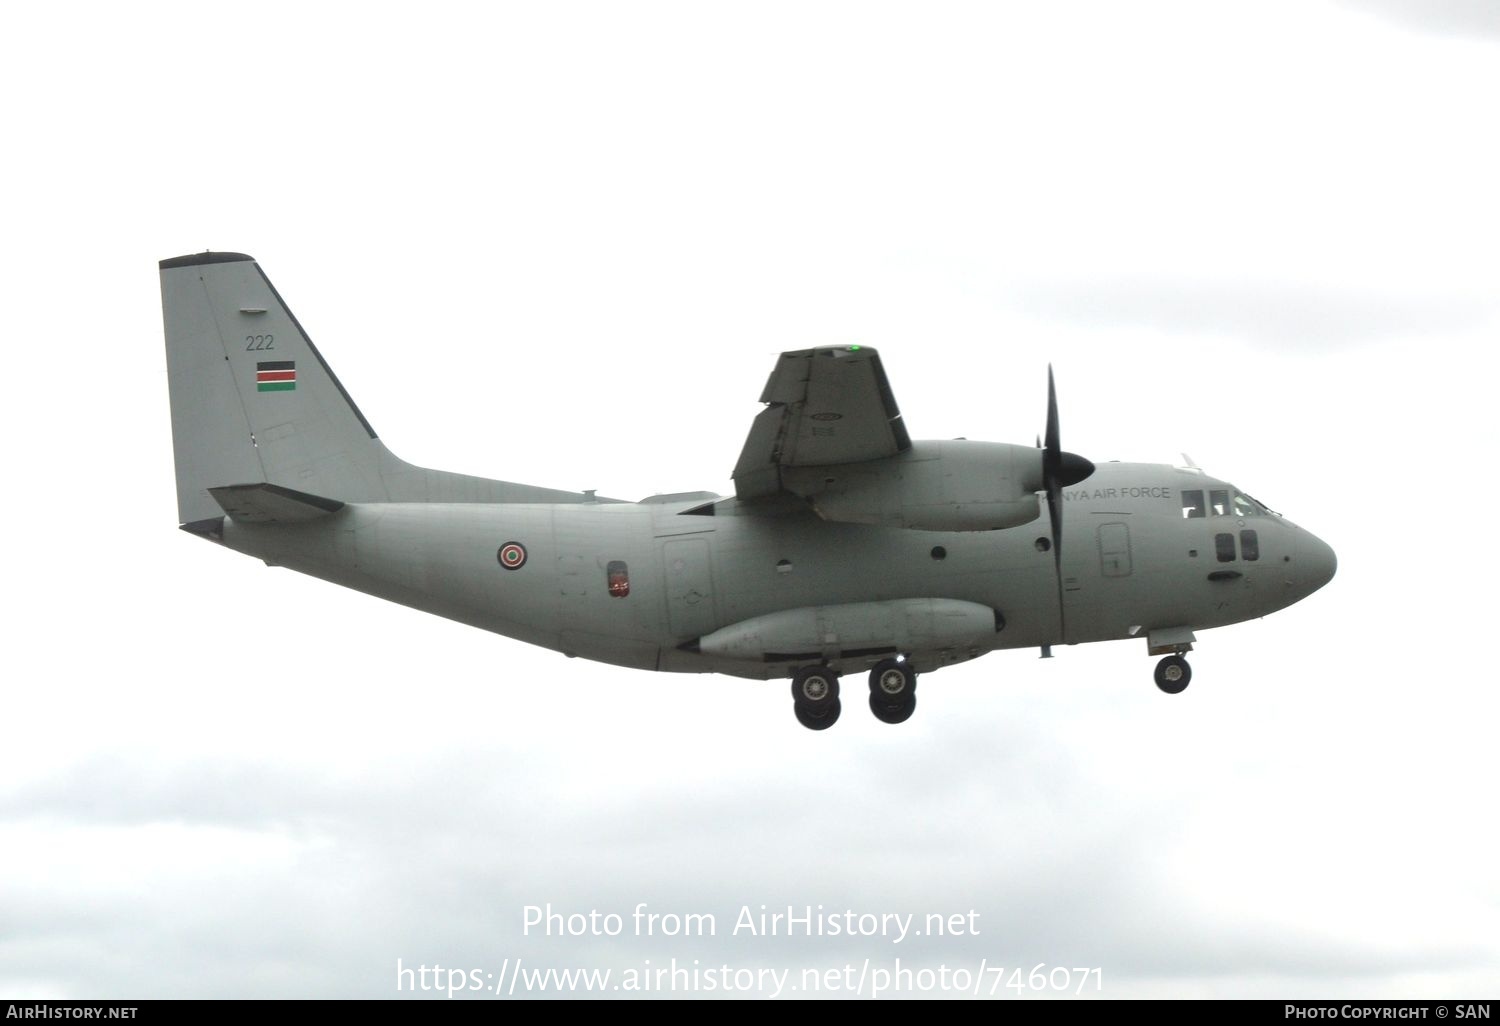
<point>825,407</point>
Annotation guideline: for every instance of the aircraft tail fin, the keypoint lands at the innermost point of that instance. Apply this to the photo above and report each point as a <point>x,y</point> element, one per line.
<point>255,404</point>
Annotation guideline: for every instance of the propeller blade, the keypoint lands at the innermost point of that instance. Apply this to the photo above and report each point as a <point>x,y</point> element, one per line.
<point>1054,508</point>
<point>1053,452</point>
<point>1059,469</point>
<point>1052,469</point>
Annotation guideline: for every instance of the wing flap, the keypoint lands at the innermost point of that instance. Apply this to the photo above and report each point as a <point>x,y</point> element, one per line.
<point>758,473</point>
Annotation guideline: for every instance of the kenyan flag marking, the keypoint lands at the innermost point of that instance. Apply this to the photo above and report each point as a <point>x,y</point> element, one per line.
<point>276,376</point>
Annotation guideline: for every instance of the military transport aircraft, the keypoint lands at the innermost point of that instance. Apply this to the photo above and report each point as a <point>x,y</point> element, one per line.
<point>847,547</point>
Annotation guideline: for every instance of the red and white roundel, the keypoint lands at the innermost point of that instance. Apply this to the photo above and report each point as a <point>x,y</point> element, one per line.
<point>512,555</point>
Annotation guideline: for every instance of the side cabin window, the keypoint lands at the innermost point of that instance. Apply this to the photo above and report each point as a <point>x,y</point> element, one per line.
<point>1224,547</point>
<point>1192,504</point>
<point>1218,499</point>
<point>617,576</point>
<point>1249,545</point>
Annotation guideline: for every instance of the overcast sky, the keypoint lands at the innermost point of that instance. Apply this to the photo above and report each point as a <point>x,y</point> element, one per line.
<point>562,244</point>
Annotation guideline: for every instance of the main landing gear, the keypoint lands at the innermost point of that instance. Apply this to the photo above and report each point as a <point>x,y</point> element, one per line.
<point>1173,674</point>
<point>893,691</point>
<point>815,697</point>
<point>815,694</point>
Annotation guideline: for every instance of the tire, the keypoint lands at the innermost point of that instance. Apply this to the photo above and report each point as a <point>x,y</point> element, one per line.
<point>1173,674</point>
<point>893,712</point>
<point>815,688</point>
<point>887,672</point>
<point>818,720</point>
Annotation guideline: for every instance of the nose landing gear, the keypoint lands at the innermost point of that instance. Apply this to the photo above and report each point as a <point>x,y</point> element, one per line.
<point>1173,674</point>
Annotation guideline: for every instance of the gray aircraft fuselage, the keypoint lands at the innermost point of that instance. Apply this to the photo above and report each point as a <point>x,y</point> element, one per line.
<point>846,546</point>
<point>1132,562</point>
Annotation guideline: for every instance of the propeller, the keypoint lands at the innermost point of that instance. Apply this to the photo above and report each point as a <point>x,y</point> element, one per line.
<point>1059,470</point>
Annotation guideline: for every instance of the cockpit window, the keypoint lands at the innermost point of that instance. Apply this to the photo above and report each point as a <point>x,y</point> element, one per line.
<point>1265,511</point>
<point>1192,504</point>
<point>1218,501</point>
<point>1244,506</point>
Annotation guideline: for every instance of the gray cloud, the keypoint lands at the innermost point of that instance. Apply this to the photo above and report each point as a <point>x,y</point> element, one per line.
<point>1275,315</point>
<point>218,779</point>
<point>362,870</point>
<point>1471,19</point>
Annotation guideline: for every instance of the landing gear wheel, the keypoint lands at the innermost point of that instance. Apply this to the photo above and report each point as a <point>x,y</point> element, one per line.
<point>893,712</point>
<point>1173,674</point>
<point>821,719</point>
<point>892,682</point>
<point>815,688</point>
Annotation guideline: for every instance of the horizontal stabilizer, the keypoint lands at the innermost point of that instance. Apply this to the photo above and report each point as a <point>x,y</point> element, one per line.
<point>272,504</point>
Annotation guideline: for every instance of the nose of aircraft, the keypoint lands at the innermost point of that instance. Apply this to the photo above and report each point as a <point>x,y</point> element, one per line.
<point>1316,562</point>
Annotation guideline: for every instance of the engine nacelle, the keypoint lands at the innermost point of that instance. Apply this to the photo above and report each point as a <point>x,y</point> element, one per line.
<point>933,486</point>
<point>815,633</point>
